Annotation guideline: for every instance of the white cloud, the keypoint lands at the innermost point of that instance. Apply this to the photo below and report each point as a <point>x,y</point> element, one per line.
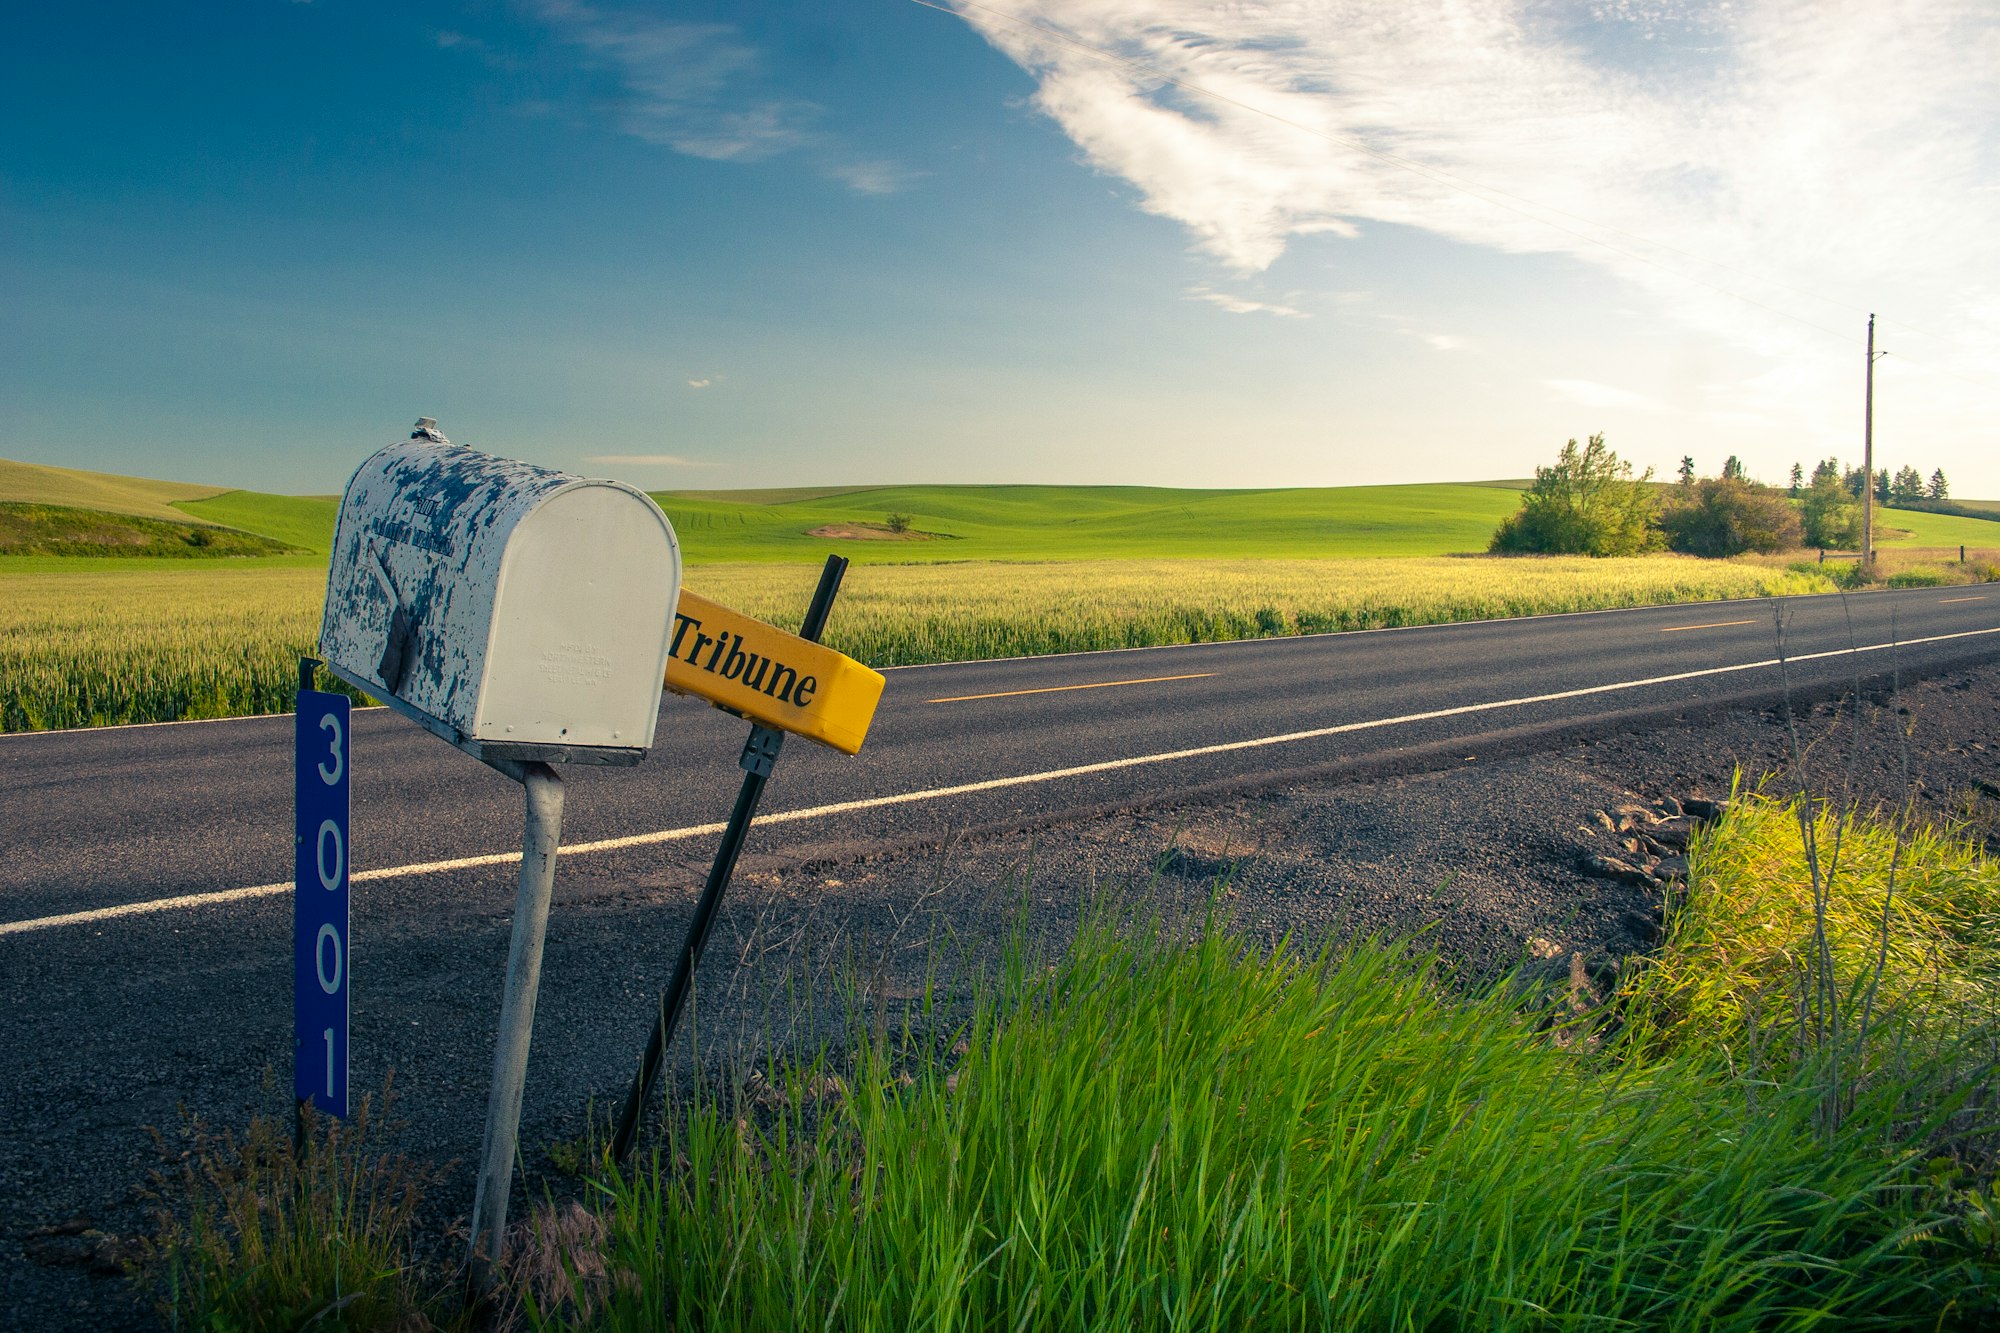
<point>699,89</point>
<point>701,383</point>
<point>1445,342</point>
<point>1817,157</point>
<point>871,176</point>
<point>1592,394</point>
<point>1241,305</point>
<point>649,460</point>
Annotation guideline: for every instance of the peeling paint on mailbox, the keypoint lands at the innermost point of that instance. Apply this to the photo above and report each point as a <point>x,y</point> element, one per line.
<point>505,606</point>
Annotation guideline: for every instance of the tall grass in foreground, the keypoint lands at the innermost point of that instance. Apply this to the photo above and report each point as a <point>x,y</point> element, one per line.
<point>94,647</point>
<point>1175,1134</point>
<point>1179,1130</point>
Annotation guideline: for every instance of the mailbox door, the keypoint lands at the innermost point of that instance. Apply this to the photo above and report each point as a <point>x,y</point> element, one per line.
<point>581,618</point>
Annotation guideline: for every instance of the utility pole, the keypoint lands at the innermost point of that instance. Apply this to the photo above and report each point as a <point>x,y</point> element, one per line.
<point>1868,457</point>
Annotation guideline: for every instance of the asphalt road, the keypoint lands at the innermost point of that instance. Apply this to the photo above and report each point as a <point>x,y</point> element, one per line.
<point>117,1009</point>
<point>126,817</point>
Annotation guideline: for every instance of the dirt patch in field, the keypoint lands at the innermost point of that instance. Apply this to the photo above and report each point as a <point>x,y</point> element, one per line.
<point>872,532</point>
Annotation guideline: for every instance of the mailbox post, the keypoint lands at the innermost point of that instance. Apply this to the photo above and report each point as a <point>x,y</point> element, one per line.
<point>525,616</point>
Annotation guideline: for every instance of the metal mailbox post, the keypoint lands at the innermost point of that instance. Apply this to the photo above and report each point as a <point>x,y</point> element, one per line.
<point>525,616</point>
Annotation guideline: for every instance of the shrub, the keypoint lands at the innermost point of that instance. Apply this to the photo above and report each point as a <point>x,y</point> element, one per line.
<point>1724,516</point>
<point>1589,503</point>
<point>1829,517</point>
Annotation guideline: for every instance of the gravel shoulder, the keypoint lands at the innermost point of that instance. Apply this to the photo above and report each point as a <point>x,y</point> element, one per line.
<point>1487,856</point>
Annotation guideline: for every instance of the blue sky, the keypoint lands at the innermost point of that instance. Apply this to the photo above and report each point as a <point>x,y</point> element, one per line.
<point>1171,242</point>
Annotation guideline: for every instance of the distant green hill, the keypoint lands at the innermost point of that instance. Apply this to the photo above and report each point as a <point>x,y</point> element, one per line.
<point>1083,522</point>
<point>64,530</point>
<point>36,483</point>
<point>948,523</point>
<point>304,521</point>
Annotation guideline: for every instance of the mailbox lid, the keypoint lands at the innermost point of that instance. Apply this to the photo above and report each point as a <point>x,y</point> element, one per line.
<point>581,622</point>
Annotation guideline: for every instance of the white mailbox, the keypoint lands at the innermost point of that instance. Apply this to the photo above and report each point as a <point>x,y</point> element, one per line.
<point>520,613</point>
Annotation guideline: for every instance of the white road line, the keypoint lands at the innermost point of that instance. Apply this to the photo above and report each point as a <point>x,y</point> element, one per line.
<point>960,789</point>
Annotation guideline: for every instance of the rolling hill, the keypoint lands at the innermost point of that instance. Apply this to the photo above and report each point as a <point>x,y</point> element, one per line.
<point>38,484</point>
<point>959,523</point>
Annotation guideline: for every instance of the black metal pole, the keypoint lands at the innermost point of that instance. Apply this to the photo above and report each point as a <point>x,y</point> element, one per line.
<point>760,752</point>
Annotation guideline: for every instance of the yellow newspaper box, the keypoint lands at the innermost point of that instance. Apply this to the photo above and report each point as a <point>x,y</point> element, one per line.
<point>762,673</point>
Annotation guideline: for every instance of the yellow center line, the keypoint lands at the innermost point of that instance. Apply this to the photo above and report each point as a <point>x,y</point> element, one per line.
<point>1947,601</point>
<point>1720,624</point>
<point>1058,689</point>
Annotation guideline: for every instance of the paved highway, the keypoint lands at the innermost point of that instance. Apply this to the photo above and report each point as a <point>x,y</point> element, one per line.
<point>181,823</point>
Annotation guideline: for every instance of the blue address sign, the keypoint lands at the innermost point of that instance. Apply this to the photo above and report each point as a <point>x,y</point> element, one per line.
<point>319,903</point>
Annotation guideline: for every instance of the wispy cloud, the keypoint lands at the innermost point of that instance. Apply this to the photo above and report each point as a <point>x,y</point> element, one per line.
<point>649,460</point>
<point>1707,151</point>
<point>1444,342</point>
<point>1592,394</point>
<point>871,176</point>
<point>1243,305</point>
<point>701,89</point>
<point>701,383</point>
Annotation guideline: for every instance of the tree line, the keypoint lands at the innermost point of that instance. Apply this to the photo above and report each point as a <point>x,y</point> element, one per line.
<point>1590,503</point>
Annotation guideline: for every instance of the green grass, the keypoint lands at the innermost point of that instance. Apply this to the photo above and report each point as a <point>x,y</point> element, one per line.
<point>304,521</point>
<point>34,483</point>
<point>1739,945</point>
<point>61,531</point>
<point>1153,1132</point>
<point>1176,1129</point>
<point>1098,522</point>
<point>1913,527</point>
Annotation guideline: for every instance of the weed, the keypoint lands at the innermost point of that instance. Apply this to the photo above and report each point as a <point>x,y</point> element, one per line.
<point>252,1234</point>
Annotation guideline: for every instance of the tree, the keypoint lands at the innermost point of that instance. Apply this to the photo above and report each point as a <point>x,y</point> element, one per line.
<point>1726,515</point>
<point>1732,469</point>
<point>1589,503</point>
<point>1687,469</point>
<point>1855,480</point>
<point>1828,469</point>
<point>1908,486</point>
<point>899,522</point>
<point>1830,517</point>
<point>1883,489</point>
<point>1939,489</point>
<point>1798,479</point>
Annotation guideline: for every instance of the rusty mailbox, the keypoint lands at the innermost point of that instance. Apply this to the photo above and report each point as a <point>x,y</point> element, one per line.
<point>520,613</point>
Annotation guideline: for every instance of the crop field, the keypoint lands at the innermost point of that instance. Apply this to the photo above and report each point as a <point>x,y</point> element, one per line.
<point>145,644</point>
<point>900,615</point>
<point>97,647</point>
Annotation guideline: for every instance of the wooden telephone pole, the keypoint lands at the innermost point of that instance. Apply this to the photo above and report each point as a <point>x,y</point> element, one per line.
<point>1868,457</point>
